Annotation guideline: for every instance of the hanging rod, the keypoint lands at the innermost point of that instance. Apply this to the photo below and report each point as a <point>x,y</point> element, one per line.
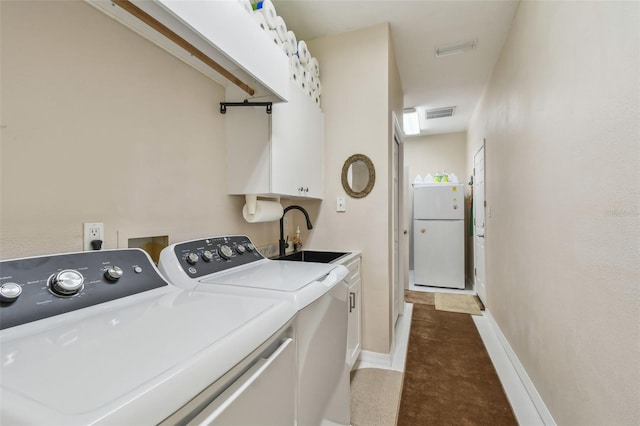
<point>168,33</point>
<point>224,105</point>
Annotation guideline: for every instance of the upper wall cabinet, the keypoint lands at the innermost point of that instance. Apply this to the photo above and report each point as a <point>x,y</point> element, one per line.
<point>279,154</point>
<point>223,31</point>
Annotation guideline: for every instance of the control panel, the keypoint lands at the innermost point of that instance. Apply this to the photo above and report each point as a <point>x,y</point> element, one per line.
<point>41,287</point>
<point>204,257</point>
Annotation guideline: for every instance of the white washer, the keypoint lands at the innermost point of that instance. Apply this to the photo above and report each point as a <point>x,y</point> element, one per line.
<point>101,338</point>
<point>232,264</point>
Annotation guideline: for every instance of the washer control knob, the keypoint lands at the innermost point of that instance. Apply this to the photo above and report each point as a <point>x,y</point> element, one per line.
<point>9,292</point>
<point>207,255</point>
<point>250,247</point>
<point>67,282</point>
<point>192,258</point>
<point>240,249</point>
<point>113,273</point>
<point>225,251</point>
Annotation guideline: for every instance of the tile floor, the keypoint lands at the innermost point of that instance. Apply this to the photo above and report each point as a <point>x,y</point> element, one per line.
<point>523,407</point>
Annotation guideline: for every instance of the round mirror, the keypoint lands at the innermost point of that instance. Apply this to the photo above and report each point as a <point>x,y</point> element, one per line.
<point>358,176</point>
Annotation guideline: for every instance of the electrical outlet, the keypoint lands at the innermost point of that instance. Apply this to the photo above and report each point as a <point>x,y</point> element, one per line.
<point>92,231</point>
<point>341,204</point>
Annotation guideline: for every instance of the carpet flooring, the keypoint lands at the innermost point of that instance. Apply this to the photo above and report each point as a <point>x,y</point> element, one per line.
<point>449,378</point>
<point>375,396</point>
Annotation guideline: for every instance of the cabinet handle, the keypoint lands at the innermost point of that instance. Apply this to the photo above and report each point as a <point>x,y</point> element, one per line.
<point>352,301</point>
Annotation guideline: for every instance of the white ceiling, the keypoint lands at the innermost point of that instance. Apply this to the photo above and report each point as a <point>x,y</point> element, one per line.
<point>416,28</point>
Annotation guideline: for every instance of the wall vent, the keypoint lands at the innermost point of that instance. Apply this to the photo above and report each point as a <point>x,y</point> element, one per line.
<point>439,112</point>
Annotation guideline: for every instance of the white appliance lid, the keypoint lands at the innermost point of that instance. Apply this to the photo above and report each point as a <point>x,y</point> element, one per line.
<point>103,363</point>
<point>278,275</point>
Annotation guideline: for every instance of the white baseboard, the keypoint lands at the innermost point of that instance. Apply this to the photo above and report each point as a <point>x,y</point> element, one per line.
<point>375,359</point>
<point>535,397</point>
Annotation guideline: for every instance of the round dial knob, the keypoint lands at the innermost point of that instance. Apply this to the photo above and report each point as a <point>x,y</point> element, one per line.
<point>240,249</point>
<point>9,292</point>
<point>207,255</point>
<point>225,252</point>
<point>250,247</point>
<point>67,282</point>
<point>192,258</point>
<point>113,273</point>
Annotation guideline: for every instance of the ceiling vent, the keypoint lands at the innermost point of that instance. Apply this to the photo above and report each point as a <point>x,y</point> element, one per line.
<point>440,112</point>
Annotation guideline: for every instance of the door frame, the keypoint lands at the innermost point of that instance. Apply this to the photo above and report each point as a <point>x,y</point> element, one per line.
<point>480,289</point>
<point>397,253</point>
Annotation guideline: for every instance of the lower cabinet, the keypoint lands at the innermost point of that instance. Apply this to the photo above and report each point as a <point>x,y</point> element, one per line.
<point>354,332</point>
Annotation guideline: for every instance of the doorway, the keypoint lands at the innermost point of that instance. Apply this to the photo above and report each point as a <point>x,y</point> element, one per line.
<point>479,262</point>
<point>398,273</point>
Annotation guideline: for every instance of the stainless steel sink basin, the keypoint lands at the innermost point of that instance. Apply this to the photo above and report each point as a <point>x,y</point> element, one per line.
<point>313,256</point>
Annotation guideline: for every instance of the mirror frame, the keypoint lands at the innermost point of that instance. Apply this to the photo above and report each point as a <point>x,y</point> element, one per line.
<point>372,175</point>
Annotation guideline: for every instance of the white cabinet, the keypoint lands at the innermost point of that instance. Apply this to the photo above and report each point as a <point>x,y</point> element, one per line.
<point>222,31</point>
<point>278,154</point>
<point>354,333</point>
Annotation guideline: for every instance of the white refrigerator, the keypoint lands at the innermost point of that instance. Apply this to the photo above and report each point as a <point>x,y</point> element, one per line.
<point>438,235</point>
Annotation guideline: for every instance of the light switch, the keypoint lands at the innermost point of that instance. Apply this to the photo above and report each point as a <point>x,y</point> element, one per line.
<point>341,204</point>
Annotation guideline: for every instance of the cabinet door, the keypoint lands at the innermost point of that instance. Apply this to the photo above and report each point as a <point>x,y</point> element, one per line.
<point>297,147</point>
<point>354,329</point>
<point>314,169</point>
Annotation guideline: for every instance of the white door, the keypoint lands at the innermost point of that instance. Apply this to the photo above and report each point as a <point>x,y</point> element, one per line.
<point>398,286</point>
<point>479,226</point>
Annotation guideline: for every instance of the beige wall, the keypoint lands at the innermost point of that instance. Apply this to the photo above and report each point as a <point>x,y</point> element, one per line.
<point>100,125</point>
<point>560,118</point>
<point>357,120</point>
<point>428,154</point>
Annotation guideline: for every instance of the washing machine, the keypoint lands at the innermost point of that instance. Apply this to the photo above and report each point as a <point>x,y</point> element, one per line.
<point>231,264</point>
<point>101,338</point>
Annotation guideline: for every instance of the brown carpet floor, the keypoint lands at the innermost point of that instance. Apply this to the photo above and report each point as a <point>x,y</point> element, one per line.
<point>449,378</point>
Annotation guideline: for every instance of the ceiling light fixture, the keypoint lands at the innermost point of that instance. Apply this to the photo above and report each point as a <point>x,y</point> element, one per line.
<point>410,123</point>
<point>455,48</point>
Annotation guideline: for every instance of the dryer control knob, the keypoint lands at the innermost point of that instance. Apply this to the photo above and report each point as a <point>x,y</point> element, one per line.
<point>67,282</point>
<point>250,247</point>
<point>240,249</point>
<point>9,292</point>
<point>207,255</point>
<point>225,252</point>
<point>192,258</point>
<point>114,273</point>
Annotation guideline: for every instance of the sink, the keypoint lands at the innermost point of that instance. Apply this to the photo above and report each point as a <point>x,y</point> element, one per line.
<point>313,256</point>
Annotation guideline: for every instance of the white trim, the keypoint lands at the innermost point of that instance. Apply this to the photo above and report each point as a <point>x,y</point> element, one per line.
<point>379,359</point>
<point>536,399</point>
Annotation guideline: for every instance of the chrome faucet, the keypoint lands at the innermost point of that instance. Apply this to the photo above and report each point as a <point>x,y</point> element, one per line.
<point>282,244</point>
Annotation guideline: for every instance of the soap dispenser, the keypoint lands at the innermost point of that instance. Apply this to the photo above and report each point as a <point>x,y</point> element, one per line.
<point>296,240</point>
